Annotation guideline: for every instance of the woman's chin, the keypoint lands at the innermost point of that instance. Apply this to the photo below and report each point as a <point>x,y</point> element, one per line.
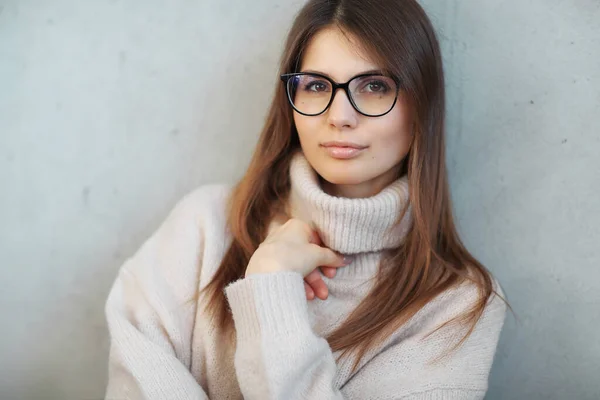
<point>342,178</point>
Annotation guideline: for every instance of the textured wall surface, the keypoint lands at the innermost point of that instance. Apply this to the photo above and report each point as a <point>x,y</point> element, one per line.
<point>111,110</point>
<point>524,139</point>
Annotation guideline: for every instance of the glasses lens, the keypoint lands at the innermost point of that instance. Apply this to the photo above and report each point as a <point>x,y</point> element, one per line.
<point>374,94</point>
<point>309,94</point>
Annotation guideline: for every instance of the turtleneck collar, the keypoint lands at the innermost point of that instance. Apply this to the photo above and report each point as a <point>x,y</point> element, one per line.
<point>345,225</point>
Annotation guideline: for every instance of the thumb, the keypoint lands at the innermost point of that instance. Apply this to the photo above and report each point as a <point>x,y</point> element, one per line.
<point>324,257</point>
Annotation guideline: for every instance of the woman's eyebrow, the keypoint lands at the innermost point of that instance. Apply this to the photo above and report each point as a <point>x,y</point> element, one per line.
<point>371,71</point>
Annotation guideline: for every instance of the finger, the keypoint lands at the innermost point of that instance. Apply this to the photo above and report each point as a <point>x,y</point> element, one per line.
<point>319,287</point>
<point>322,256</point>
<point>315,238</point>
<point>329,272</point>
<point>310,294</point>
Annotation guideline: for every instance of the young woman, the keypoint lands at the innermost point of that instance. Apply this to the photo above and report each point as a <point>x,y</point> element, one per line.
<point>333,270</point>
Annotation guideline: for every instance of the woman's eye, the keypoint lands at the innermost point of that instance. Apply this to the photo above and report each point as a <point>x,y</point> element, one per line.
<point>316,87</point>
<point>376,87</point>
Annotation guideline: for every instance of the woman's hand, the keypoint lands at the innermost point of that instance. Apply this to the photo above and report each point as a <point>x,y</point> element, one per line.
<point>294,246</point>
<point>314,284</point>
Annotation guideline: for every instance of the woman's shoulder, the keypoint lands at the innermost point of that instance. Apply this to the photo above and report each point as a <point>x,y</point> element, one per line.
<point>202,208</point>
<point>467,294</point>
<point>199,214</point>
<point>195,223</point>
<point>463,298</point>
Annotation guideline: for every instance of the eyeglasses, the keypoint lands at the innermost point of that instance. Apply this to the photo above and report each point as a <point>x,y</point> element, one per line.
<point>372,95</point>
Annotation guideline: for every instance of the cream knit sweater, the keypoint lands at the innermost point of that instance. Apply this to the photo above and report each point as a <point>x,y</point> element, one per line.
<point>162,348</point>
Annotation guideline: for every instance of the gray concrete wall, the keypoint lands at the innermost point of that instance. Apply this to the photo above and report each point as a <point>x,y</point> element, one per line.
<point>524,144</point>
<point>111,110</point>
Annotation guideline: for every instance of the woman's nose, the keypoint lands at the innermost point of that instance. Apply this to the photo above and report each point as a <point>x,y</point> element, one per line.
<point>341,114</point>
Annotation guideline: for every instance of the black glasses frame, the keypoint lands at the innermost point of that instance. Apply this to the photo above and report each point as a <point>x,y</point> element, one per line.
<point>335,86</point>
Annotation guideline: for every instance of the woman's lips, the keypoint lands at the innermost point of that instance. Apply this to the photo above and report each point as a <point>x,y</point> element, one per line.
<point>343,152</point>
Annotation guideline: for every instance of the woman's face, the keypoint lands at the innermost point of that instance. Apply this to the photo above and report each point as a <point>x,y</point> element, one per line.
<point>383,141</point>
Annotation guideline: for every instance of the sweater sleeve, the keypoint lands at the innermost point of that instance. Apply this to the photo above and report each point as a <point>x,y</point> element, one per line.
<point>279,357</point>
<point>149,317</point>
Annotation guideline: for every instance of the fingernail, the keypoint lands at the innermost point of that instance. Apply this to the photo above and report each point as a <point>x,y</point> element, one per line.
<point>348,260</point>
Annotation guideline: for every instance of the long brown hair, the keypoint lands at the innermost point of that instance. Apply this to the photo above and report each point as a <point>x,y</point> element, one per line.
<point>400,38</point>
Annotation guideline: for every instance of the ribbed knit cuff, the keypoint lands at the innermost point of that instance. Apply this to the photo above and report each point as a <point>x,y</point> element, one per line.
<point>269,304</point>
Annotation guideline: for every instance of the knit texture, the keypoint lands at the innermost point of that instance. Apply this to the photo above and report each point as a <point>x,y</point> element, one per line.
<point>164,347</point>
